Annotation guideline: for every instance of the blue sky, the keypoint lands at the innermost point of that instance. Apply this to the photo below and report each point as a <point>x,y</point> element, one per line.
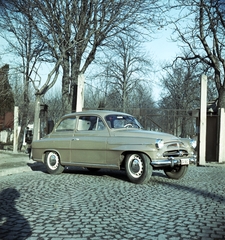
<point>162,47</point>
<point>161,50</point>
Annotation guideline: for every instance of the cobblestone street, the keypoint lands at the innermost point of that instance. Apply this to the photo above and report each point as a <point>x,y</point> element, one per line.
<point>81,205</point>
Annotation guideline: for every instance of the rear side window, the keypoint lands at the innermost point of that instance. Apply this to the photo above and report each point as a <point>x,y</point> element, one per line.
<point>87,123</point>
<point>67,124</point>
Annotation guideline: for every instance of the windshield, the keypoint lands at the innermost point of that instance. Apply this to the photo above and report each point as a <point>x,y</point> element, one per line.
<point>122,121</point>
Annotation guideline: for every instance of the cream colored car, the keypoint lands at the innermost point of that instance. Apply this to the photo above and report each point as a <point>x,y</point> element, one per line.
<point>114,140</point>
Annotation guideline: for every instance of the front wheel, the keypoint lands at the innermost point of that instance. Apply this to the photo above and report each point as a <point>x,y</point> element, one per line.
<point>177,172</point>
<point>53,164</point>
<point>138,168</point>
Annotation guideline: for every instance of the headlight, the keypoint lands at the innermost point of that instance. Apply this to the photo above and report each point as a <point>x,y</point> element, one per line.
<point>159,143</point>
<point>193,143</point>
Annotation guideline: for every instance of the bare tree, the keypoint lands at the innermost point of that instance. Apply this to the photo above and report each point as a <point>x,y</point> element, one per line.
<point>53,99</point>
<point>17,85</point>
<point>20,35</point>
<point>75,29</point>
<point>200,28</point>
<point>181,84</point>
<point>6,95</point>
<point>125,69</point>
<point>95,93</point>
<point>181,88</point>
<point>40,91</point>
<point>72,31</point>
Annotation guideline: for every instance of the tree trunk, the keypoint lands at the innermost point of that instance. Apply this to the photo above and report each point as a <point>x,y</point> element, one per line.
<point>24,118</point>
<point>221,100</point>
<point>67,90</point>
<point>124,100</point>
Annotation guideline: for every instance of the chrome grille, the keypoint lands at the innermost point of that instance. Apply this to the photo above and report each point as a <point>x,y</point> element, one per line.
<point>175,153</point>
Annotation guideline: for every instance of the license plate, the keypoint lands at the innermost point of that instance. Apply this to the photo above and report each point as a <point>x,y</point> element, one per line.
<point>184,161</point>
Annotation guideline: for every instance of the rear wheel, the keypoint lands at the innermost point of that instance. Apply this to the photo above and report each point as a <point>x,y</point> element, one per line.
<point>138,168</point>
<point>53,164</point>
<point>177,172</point>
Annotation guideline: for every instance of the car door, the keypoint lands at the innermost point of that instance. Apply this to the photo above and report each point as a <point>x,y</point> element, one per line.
<point>60,138</point>
<point>88,146</point>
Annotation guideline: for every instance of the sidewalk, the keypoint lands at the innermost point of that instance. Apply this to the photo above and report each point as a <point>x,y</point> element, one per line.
<point>11,163</point>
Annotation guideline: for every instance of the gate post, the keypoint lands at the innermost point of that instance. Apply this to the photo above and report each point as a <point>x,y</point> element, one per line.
<point>221,148</point>
<point>80,93</point>
<point>202,125</point>
<point>16,124</point>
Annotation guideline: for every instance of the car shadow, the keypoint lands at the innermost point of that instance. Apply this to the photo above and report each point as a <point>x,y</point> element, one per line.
<point>37,166</point>
<point>117,174</point>
<point>157,173</point>
<point>13,224</point>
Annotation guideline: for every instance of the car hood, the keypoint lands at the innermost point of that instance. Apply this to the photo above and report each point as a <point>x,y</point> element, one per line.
<point>144,133</point>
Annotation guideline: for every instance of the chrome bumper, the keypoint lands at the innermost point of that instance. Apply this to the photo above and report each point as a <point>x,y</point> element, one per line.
<point>172,162</point>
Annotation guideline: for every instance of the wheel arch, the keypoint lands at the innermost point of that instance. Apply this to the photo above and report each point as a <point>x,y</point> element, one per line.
<point>51,150</point>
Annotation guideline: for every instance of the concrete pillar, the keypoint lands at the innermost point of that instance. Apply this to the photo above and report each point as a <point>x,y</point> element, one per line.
<point>36,130</point>
<point>221,148</point>
<point>203,121</point>
<point>16,124</point>
<point>80,93</point>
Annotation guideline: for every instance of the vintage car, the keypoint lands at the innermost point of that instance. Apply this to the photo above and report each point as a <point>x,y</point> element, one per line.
<point>114,140</point>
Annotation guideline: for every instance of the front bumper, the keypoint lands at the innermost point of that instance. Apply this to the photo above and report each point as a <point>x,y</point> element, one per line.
<point>172,162</point>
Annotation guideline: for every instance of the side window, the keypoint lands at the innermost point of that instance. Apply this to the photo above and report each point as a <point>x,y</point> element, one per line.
<point>99,125</point>
<point>67,124</point>
<point>87,123</point>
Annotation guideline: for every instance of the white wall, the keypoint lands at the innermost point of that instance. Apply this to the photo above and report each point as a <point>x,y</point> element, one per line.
<point>221,152</point>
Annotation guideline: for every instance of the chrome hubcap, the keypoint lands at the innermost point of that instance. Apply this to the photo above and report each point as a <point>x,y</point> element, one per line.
<point>53,161</point>
<point>136,166</point>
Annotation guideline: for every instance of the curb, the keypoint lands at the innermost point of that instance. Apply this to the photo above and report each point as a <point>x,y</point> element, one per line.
<point>10,171</point>
<point>13,163</point>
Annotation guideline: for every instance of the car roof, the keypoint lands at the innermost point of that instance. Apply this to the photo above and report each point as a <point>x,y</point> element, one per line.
<point>101,113</point>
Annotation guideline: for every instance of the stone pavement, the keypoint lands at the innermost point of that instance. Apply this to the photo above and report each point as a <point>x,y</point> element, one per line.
<point>81,205</point>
